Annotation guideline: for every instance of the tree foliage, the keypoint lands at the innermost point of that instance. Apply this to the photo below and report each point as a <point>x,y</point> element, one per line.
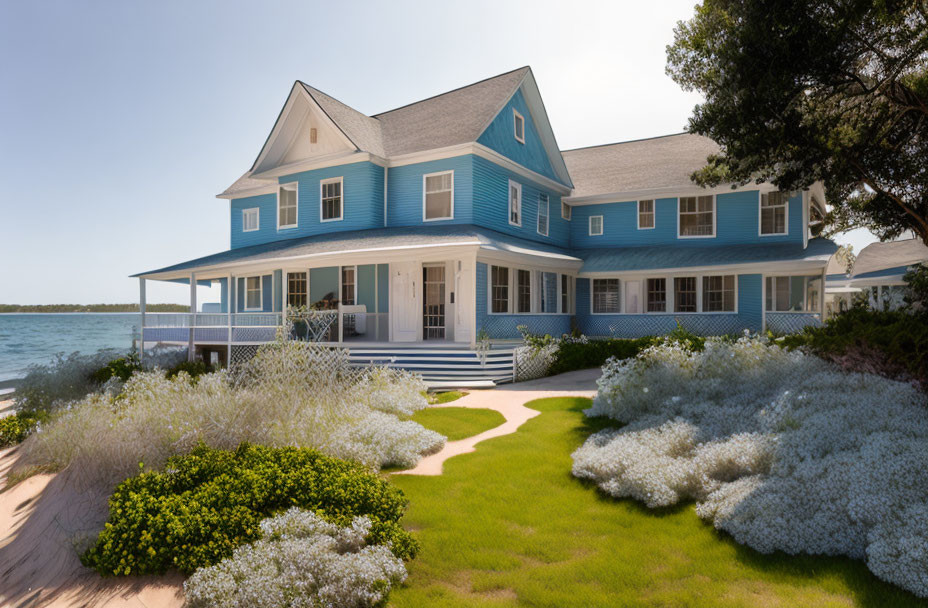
<point>799,91</point>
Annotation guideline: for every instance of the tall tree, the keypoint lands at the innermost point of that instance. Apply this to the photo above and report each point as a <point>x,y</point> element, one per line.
<point>798,91</point>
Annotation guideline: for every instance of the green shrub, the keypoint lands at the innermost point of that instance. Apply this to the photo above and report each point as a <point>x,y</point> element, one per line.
<point>122,368</point>
<point>594,353</point>
<point>208,502</point>
<point>18,426</point>
<point>195,369</point>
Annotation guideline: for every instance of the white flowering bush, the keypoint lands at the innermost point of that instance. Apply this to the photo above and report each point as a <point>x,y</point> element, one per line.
<point>780,449</point>
<point>291,393</point>
<point>301,560</point>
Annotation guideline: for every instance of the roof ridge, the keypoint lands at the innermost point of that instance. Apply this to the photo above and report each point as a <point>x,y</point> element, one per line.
<point>466,86</point>
<point>631,141</point>
<point>333,98</point>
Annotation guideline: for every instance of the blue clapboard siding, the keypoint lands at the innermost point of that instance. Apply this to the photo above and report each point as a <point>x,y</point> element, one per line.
<point>736,222</point>
<point>383,287</point>
<point>362,205</point>
<point>503,327</point>
<point>500,137</point>
<point>491,204</point>
<point>749,316</point>
<point>365,286</point>
<point>405,188</point>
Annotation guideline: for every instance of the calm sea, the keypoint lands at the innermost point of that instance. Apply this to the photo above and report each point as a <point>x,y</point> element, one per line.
<point>26,339</point>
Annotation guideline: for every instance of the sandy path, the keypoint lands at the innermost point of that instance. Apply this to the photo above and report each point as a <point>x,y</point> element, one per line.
<point>509,400</point>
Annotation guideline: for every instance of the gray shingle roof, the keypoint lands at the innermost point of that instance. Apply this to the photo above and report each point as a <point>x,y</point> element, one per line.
<point>644,164</point>
<point>361,129</point>
<point>876,257</point>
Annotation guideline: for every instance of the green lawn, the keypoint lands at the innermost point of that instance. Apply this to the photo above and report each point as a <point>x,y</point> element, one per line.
<point>458,422</point>
<point>508,525</point>
<point>444,397</point>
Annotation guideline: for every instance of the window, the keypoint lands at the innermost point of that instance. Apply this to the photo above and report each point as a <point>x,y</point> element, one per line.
<point>286,206</point>
<point>438,197</point>
<point>250,219</point>
<point>330,191</point>
<point>515,203</point>
<point>547,289</point>
<point>499,289</point>
<point>718,293</point>
<point>565,211</point>
<point>684,294</point>
<point>518,126</point>
<point>793,294</point>
<point>523,291</point>
<point>773,213</point>
<point>697,216</point>
<point>657,295</point>
<point>543,214</point>
<point>254,294</point>
<point>565,294</point>
<point>313,137</point>
<point>348,286</point>
<point>596,225</point>
<point>645,214</point>
<point>296,289</point>
<point>605,295</point>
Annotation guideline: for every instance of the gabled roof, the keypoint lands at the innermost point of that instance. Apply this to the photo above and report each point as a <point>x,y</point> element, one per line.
<point>895,255</point>
<point>363,131</point>
<point>656,163</point>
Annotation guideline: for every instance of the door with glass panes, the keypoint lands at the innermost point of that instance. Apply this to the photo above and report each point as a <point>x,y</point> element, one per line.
<point>433,302</point>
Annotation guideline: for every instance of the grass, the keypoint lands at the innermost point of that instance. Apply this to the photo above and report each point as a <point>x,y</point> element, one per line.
<point>509,526</point>
<point>444,397</point>
<point>458,422</point>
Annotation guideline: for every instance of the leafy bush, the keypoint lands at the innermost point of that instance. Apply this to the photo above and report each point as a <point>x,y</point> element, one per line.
<point>16,427</point>
<point>194,369</point>
<point>572,355</point>
<point>779,448</point>
<point>889,343</point>
<point>207,503</point>
<point>121,368</point>
<point>301,560</point>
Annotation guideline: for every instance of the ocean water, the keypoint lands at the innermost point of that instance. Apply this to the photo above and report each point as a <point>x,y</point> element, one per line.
<point>27,339</point>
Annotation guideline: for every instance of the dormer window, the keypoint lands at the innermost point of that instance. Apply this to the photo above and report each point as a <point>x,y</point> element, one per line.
<point>250,219</point>
<point>330,199</point>
<point>773,213</point>
<point>287,206</point>
<point>518,124</point>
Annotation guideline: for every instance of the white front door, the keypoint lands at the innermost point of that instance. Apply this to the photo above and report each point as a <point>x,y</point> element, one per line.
<point>405,304</point>
<point>464,300</point>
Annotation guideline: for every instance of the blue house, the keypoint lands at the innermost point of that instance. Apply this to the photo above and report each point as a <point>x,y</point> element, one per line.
<point>451,221</point>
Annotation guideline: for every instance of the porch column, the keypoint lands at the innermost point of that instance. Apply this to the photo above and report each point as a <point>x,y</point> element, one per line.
<point>283,298</point>
<point>193,315</point>
<point>821,296</point>
<point>763,303</point>
<point>142,311</point>
<point>230,291</point>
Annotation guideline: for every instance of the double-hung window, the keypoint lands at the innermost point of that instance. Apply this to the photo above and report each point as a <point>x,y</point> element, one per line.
<point>438,199</point>
<point>596,225</point>
<point>330,199</point>
<point>565,211</point>
<point>684,294</point>
<point>296,289</point>
<point>523,291</point>
<point>348,285</point>
<point>518,126</point>
<point>606,296</point>
<point>515,203</point>
<point>254,294</point>
<point>250,219</point>
<point>718,293</point>
<point>287,206</point>
<point>773,213</point>
<point>645,214</point>
<point>499,289</point>
<point>543,209</point>
<point>657,295</point>
<point>697,216</point>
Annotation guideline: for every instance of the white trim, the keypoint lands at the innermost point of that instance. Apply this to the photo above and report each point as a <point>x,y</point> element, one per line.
<point>715,217</point>
<point>341,198</point>
<point>516,116</point>
<point>354,284</point>
<point>619,311</point>
<point>260,307</point>
<point>320,162</point>
<point>296,191</point>
<point>653,213</point>
<point>425,194</point>
<point>760,216</point>
<point>806,216</point>
<point>547,214</point>
<point>669,293</point>
<point>787,266</point>
<point>518,187</point>
<point>569,211</point>
<point>257,211</point>
<point>602,225</point>
<point>664,192</point>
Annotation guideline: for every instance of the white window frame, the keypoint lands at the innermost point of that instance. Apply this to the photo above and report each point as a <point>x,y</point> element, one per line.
<point>569,293</point>
<point>601,225</point>
<point>760,215</point>
<point>260,293</point>
<point>341,284</point>
<point>715,218</point>
<point>516,119</point>
<point>518,205</point>
<point>341,206</point>
<point>425,196</point>
<point>257,213</point>
<point>547,206</point>
<point>653,214</point>
<point>509,289</point>
<point>669,293</point>
<point>592,298</point>
<point>701,288</point>
<point>566,211</point>
<point>296,191</point>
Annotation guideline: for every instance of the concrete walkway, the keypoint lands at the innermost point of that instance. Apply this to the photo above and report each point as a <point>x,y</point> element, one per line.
<point>509,400</point>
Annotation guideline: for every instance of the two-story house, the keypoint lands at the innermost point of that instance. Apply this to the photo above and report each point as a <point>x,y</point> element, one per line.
<point>458,218</point>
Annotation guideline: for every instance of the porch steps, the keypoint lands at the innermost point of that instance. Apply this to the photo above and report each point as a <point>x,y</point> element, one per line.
<point>442,367</point>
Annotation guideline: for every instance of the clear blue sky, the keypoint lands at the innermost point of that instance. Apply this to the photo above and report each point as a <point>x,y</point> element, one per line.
<point>120,121</point>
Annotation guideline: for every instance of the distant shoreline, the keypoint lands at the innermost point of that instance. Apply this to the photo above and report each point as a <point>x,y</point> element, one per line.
<point>85,308</point>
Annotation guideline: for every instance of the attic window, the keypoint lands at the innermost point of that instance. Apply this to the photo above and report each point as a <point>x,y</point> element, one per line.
<point>312,135</point>
<point>518,124</point>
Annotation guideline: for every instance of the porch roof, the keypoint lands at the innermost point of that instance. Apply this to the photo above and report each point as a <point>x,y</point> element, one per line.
<point>631,259</point>
<point>373,240</point>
